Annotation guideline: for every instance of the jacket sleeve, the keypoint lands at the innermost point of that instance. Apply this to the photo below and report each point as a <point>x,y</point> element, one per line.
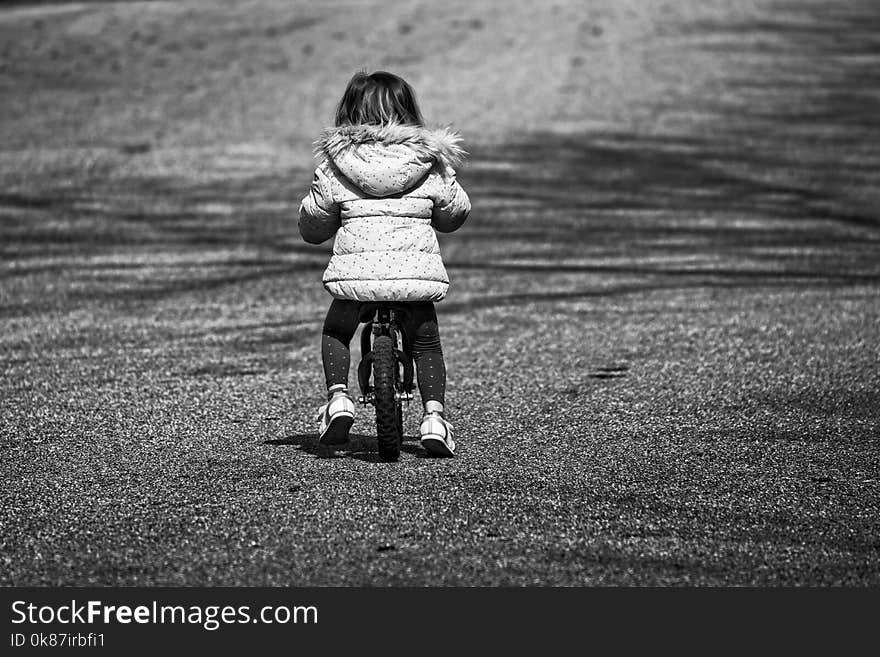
<point>318,212</point>
<point>451,203</point>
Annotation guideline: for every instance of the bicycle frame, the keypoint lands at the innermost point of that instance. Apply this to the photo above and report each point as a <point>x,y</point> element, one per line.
<point>382,319</point>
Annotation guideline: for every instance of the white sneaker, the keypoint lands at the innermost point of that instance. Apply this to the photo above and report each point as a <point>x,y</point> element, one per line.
<point>336,418</point>
<point>436,435</point>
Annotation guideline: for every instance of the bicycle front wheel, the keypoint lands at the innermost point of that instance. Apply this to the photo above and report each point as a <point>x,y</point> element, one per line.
<point>388,426</point>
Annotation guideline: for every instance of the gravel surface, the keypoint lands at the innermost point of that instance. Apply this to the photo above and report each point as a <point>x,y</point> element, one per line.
<point>662,336</point>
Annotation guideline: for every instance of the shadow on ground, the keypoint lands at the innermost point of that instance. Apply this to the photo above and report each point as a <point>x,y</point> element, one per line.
<point>359,446</point>
<point>652,212</point>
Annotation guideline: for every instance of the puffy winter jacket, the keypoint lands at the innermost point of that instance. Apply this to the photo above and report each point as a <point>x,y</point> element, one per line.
<point>383,190</point>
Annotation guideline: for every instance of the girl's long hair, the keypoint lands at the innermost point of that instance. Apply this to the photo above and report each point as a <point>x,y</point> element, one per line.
<point>379,98</point>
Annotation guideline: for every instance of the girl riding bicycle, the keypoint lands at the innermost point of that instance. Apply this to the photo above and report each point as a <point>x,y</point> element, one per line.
<point>384,185</point>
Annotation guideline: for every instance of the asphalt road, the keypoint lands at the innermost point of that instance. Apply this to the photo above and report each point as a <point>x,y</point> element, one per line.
<point>662,348</point>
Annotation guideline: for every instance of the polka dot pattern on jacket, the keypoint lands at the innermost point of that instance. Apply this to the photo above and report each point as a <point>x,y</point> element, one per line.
<point>383,191</point>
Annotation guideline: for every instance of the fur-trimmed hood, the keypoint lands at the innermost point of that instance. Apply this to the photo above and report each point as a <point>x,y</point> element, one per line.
<point>443,144</point>
<point>389,159</point>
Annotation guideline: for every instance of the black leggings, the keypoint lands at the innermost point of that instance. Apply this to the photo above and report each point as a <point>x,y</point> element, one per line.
<point>421,329</point>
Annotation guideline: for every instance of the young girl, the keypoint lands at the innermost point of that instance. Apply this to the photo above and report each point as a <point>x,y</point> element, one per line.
<point>384,185</point>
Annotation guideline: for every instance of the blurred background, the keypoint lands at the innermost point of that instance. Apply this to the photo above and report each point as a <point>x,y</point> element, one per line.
<point>765,110</point>
<point>674,254</point>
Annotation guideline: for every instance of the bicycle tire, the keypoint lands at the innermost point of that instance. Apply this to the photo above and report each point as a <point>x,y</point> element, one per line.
<point>388,429</point>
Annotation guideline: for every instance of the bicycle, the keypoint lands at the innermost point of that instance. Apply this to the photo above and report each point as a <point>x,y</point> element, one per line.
<point>387,356</point>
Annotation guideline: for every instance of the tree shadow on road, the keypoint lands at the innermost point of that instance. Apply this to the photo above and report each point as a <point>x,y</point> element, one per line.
<point>769,191</point>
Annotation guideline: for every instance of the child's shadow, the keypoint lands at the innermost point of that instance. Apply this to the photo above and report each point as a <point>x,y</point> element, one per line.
<point>359,446</point>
